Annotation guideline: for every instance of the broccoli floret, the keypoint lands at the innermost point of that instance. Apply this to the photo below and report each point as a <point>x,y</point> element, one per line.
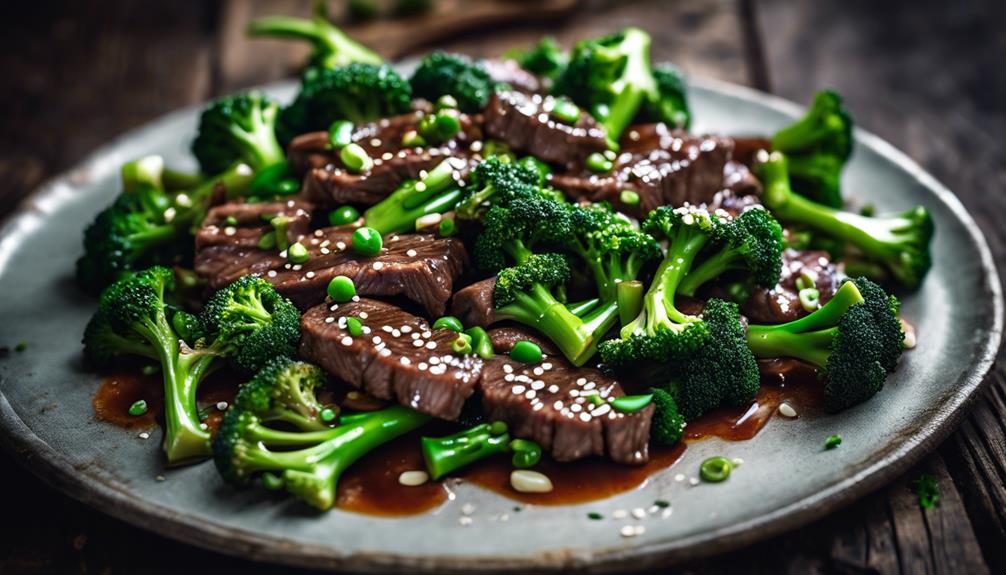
<point>441,74</point>
<point>437,193</point>
<point>722,371</point>
<point>355,92</point>
<point>847,339</point>
<point>671,104</point>
<point>818,146</point>
<point>512,231</point>
<point>446,454</point>
<point>332,47</point>
<point>900,242</point>
<point>545,59</point>
<point>611,77</point>
<point>667,426</point>
<point>660,329</point>
<point>147,225</point>
<point>252,323</point>
<point>133,318</point>
<point>497,181</point>
<point>239,128</point>
<point>284,390</point>
<point>751,242</point>
<point>308,463</point>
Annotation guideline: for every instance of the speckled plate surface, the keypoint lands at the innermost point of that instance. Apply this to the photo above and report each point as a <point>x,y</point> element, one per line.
<point>786,480</point>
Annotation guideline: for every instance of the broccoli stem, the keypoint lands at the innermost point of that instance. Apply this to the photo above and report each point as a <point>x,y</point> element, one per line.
<point>333,47</point>
<point>630,300</point>
<point>658,302</point>
<point>638,84</point>
<point>710,269</point>
<point>539,309</point>
<point>446,454</point>
<point>260,141</point>
<point>435,194</point>
<point>808,338</point>
<point>580,309</point>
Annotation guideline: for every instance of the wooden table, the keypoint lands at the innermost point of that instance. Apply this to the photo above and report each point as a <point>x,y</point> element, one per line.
<point>926,75</point>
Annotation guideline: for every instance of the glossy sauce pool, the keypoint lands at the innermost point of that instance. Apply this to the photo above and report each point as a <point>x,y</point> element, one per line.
<point>371,485</point>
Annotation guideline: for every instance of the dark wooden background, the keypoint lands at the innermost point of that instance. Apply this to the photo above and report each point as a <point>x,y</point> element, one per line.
<point>927,75</point>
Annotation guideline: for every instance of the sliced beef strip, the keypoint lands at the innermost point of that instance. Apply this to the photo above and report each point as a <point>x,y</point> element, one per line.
<point>219,243</point>
<point>683,169</point>
<point>473,304</point>
<point>509,72</point>
<point>523,122</point>
<point>399,356</point>
<point>782,303</point>
<point>548,403</point>
<point>419,267</point>
<point>505,337</point>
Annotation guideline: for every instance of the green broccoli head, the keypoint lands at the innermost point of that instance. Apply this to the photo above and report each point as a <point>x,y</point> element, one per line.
<point>239,128</point>
<point>667,426</point>
<point>510,233</point>
<point>441,74</point>
<point>332,47</point>
<point>546,59</point>
<point>671,103</point>
<point>104,346</point>
<point>818,145</point>
<point>547,270</point>
<point>354,92</point>
<point>252,323</point>
<point>284,390</point>
<point>611,77</point>
<point>497,182</point>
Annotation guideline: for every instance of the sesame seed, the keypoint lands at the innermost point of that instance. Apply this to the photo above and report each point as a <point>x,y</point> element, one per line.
<point>417,343</point>
<point>553,388</point>
<point>786,410</point>
<point>693,481</point>
<point>364,315</point>
<point>413,478</point>
<point>271,273</point>
<point>679,477</point>
<point>221,405</point>
<point>619,514</point>
<point>557,405</point>
<point>518,389</point>
<point>467,509</point>
<point>639,513</point>
<point>405,361</point>
<point>431,345</point>
<point>538,371</point>
<point>347,341</point>
<point>376,339</point>
<point>466,521</point>
<point>309,275</point>
<point>422,366</point>
<point>411,253</point>
<point>329,319</point>
<point>507,368</point>
<point>378,265</point>
<point>531,394</point>
<point>585,417</point>
<point>546,366</point>
<point>144,435</point>
<point>385,352</point>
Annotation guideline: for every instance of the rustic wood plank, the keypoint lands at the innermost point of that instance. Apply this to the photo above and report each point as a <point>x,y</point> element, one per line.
<point>940,102</point>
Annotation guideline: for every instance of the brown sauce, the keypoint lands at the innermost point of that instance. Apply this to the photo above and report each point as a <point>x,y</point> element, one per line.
<point>371,485</point>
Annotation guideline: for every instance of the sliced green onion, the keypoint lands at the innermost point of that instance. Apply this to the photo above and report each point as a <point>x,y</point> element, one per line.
<point>716,469</point>
<point>355,158</point>
<point>629,197</point>
<point>810,299</point>
<point>462,345</point>
<point>267,241</point>
<point>340,134</point>
<point>367,242</point>
<point>138,408</point>
<point>629,296</point>
<point>341,289</point>
<point>449,322</point>
<point>481,342</point>
<point>412,139</point>
<point>354,326</point>
<point>446,102</point>
<point>598,163</point>
<point>297,253</point>
<point>833,441</point>
<point>566,111</point>
<point>526,352</point>
<point>328,415</point>
<point>632,403</point>
<point>526,453</point>
<point>287,187</point>
<point>343,215</point>
<point>279,224</point>
<point>445,228</point>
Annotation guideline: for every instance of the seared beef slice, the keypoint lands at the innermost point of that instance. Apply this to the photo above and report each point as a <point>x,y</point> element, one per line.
<point>399,356</point>
<point>419,267</point>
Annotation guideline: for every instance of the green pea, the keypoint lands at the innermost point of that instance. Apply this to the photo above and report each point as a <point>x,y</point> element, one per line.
<point>297,253</point>
<point>444,125</point>
<point>287,187</point>
<point>279,225</point>
<point>462,345</point>
<point>138,408</point>
<point>341,289</point>
<point>412,139</point>
<point>340,134</point>
<point>628,197</point>
<point>267,178</point>
<point>355,158</point>
<point>446,102</point>
<point>272,482</point>
<point>631,403</point>
<point>328,415</point>
<point>566,111</point>
<point>598,163</point>
<point>267,241</point>
<point>716,469</point>
<point>498,427</point>
<point>231,221</point>
<point>343,215</point>
<point>354,326</point>
<point>526,453</point>
<point>481,342</point>
<point>445,228</point>
<point>367,242</point>
<point>449,322</point>
<point>833,441</point>
<point>526,352</point>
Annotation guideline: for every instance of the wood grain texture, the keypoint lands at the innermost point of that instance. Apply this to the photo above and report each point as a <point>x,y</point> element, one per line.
<point>925,75</point>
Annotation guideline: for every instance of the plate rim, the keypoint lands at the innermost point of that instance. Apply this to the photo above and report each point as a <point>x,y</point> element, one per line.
<point>88,485</point>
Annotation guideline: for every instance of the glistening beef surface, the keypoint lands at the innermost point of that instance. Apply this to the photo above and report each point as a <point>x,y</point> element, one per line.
<point>550,404</point>
<point>473,304</point>
<point>782,303</point>
<point>419,267</point>
<point>523,122</point>
<point>399,356</point>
